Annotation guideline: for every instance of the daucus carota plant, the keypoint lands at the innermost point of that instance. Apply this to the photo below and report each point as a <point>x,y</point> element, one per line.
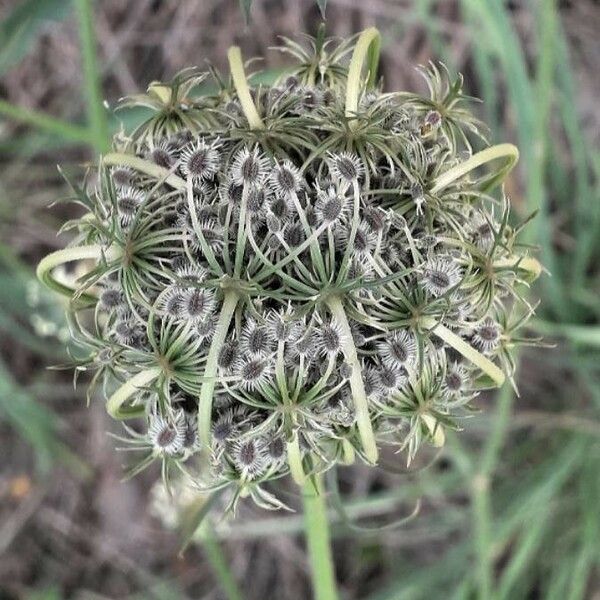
<point>288,276</point>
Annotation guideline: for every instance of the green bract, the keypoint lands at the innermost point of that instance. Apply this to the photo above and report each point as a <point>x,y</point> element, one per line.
<point>288,276</point>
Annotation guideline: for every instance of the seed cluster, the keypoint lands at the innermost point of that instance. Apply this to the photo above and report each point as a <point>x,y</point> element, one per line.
<point>280,299</point>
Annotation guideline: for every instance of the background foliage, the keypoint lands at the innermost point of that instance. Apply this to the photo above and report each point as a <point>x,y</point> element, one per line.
<point>507,511</point>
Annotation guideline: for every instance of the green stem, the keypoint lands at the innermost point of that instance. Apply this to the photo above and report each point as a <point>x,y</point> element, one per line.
<point>294,458</point>
<point>357,385</point>
<point>114,405</point>
<point>505,151</point>
<point>205,400</point>
<point>93,91</point>
<point>206,249</point>
<point>61,257</point>
<point>143,166</point>
<point>236,66</point>
<point>318,540</point>
<point>240,247</point>
<point>368,45</point>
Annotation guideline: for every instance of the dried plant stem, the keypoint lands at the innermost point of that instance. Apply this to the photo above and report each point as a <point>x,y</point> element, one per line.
<point>61,257</point>
<point>526,263</point>
<point>357,385</point>
<point>236,66</point>
<point>505,151</point>
<point>205,400</point>
<point>484,363</point>
<point>143,166</point>
<point>318,540</point>
<point>114,405</point>
<point>367,46</point>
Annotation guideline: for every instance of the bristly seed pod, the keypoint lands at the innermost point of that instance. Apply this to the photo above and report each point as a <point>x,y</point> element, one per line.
<point>167,437</point>
<point>286,274</point>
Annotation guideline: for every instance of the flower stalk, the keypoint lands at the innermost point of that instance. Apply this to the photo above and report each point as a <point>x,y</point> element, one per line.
<point>60,257</point>
<point>143,166</point>
<point>366,50</point>
<point>318,540</point>
<point>507,152</point>
<point>475,357</point>
<point>205,400</point>
<point>115,404</point>
<point>357,385</point>
<point>236,66</point>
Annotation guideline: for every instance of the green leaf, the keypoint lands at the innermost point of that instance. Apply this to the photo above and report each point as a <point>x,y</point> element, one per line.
<point>23,24</point>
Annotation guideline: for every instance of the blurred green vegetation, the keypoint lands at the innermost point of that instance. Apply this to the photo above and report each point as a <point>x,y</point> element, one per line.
<point>531,487</point>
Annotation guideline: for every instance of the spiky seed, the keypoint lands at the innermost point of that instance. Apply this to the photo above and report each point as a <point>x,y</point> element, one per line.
<point>167,436</point>
<point>371,381</point>
<point>440,274</point>
<point>249,457</point>
<point>274,224</point>
<point>375,218</point>
<point>330,206</point>
<point>293,234</point>
<point>253,371</point>
<point>280,208</point>
<point>286,178</point>
<point>399,349</point>
<point>128,201</point>
<point>330,338</point>
<point>199,160</point>
<point>345,370</point>
<point>282,328</point>
<point>173,301</point>
<point>111,298</point>
<point>276,449</point>
<point>205,328</point>
<point>346,167</point>
<point>455,379</point>
<point>197,304</point>
<point>227,355</point>
<point>391,378</point>
<point>122,176</point>
<point>257,199</point>
<point>231,192</point>
<point>126,332</point>
<point>306,345</point>
<point>190,439</point>
<point>256,339</point>
<point>161,156</point>
<point>486,336</point>
<point>249,167</point>
<point>223,428</point>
